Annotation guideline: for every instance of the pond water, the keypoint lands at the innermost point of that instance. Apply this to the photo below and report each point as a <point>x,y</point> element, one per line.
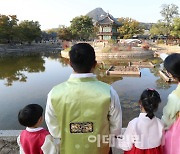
<point>25,80</point>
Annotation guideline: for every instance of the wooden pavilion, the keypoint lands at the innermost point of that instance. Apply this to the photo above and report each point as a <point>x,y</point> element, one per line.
<point>108,26</point>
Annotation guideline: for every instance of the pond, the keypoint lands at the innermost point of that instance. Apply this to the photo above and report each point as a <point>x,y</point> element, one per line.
<point>25,80</point>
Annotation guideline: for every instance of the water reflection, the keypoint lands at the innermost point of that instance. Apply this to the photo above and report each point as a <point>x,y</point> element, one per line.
<point>101,75</point>
<point>160,84</point>
<point>63,61</point>
<point>40,74</point>
<point>12,69</point>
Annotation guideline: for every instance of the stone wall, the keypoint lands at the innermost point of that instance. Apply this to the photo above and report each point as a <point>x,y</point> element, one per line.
<point>23,50</point>
<point>118,55</point>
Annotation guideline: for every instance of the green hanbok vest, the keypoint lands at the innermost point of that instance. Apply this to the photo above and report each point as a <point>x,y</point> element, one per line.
<point>82,106</point>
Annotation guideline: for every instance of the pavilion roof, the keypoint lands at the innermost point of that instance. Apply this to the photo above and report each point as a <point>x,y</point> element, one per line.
<point>108,20</point>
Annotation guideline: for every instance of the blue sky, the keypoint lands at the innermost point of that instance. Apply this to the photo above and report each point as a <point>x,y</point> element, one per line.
<point>52,13</point>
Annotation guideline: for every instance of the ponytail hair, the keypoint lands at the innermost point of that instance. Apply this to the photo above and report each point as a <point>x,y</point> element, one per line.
<point>150,100</point>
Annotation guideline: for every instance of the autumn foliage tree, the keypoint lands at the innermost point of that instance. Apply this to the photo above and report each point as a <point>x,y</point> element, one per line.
<point>65,33</point>
<point>129,28</point>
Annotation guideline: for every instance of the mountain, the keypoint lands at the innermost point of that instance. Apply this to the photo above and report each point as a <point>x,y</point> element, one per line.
<point>96,14</point>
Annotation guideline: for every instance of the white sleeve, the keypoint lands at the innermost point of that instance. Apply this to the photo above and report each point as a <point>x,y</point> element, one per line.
<point>51,119</point>
<point>49,146</point>
<point>115,113</point>
<point>21,151</point>
<point>125,141</point>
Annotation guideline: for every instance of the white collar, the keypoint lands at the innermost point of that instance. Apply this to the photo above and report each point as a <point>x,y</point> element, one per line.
<point>144,115</point>
<point>33,129</point>
<point>82,75</point>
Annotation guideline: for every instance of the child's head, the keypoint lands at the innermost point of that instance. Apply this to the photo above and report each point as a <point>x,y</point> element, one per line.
<point>172,65</point>
<point>150,100</point>
<point>82,58</point>
<point>30,115</point>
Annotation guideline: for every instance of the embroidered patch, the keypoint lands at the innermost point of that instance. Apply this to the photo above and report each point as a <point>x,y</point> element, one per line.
<point>81,127</point>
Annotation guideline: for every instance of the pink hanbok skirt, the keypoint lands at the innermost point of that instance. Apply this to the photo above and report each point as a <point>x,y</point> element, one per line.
<point>172,139</point>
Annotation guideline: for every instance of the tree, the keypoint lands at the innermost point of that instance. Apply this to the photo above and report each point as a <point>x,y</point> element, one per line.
<point>176,28</point>
<point>160,28</point>
<point>8,25</point>
<point>129,28</point>
<point>82,27</point>
<point>65,33</point>
<point>94,33</point>
<point>166,26</point>
<point>29,30</point>
<point>52,33</point>
<point>169,11</point>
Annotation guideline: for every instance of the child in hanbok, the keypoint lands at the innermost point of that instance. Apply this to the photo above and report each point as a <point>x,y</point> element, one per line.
<point>171,116</point>
<point>143,134</point>
<point>35,139</point>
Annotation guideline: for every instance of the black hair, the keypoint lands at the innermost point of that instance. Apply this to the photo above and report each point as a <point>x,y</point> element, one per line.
<point>150,100</point>
<point>172,65</point>
<point>30,115</point>
<point>82,57</point>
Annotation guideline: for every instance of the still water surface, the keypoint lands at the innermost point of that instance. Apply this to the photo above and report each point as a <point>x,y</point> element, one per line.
<point>25,80</point>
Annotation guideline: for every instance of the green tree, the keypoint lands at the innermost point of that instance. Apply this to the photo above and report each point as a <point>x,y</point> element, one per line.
<point>65,33</point>
<point>94,33</point>
<point>160,28</point>
<point>176,28</point>
<point>166,26</point>
<point>129,28</point>
<point>8,25</point>
<point>82,27</point>
<point>168,12</point>
<point>29,30</point>
<point>53,33</point>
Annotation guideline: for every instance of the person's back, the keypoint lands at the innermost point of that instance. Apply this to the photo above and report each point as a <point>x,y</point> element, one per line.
<point>144,133</point>
<point>82,113</point>
<point>82,106</point>
<point>34,139</point>
<point>171,111</point>
<point>149,131</point>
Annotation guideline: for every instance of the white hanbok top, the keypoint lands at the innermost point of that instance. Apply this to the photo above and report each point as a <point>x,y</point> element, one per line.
<point>142,132</point>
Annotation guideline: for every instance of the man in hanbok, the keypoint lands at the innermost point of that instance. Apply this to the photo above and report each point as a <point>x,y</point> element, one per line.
<point>83,112</point>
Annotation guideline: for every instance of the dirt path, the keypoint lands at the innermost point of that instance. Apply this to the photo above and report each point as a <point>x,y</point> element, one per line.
<point>167,49</point>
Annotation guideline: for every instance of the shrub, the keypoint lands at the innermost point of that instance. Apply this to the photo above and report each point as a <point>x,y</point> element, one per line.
<point>160,42</point>
<point>145,46</point>
<point>112,41</point>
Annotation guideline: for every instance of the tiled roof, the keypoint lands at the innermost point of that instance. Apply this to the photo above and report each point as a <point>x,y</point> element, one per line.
<point>108,19</point>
